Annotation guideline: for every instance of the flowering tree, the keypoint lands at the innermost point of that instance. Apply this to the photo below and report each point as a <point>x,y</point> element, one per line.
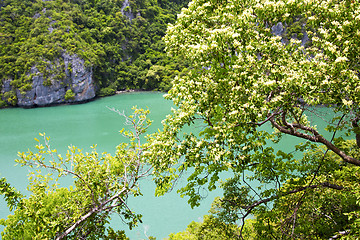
<point>259,68</point>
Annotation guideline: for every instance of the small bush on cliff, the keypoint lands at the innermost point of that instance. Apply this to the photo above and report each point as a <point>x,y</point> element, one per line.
<point>69,95</point>
<point>108,91</point>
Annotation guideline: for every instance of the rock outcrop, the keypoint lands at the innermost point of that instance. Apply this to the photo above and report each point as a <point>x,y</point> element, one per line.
<point>296,30</point>
<point>126,10</point>
<point>52,89</point>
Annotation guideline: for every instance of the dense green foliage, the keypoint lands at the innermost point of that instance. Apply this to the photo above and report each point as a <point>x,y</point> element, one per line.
<point>101,186</point>
<point>253,81</point>
<point>124,53</point>
<point>210,228</point>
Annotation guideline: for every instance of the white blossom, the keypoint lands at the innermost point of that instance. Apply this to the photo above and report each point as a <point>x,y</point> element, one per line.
<point>341,59</point>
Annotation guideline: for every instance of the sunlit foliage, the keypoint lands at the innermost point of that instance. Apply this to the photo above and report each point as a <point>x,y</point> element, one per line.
<point>261,70</point>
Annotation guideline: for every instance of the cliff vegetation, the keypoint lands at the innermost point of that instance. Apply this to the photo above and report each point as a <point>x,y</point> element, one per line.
<point>117,44</point>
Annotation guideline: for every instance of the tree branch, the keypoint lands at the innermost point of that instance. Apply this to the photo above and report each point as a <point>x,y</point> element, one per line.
<point>90,213</point>
<point>252,206</point>
<point>341,233</point>
<point>291,129</point>
<point>270,116</point>
<point>324,184</point>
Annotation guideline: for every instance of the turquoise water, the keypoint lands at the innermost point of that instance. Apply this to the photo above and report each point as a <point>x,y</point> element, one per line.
<point>93,123</point>
<point>87,124</point>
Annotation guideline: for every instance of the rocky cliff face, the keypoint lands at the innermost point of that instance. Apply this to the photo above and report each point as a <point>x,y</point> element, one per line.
<point>76,85</point>
<point>126,10</point>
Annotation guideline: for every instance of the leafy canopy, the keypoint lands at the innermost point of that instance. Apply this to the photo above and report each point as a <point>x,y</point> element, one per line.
<point>102,183</point>
<point>259,69</point>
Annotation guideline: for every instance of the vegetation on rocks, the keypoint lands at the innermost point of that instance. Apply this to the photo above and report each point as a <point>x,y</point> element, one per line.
<point>121,45</point>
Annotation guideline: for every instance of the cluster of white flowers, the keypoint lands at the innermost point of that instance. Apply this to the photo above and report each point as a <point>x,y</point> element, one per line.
<point>234,112</point>
<point>295,41</point>
<point>199,48</point>
<point>324,32</point>
<point>247,14</point>
<point>259,6</point>
<point>235,35</point>
<point>286,15</point>
<point>330,46</point>
<point>249,47</point>
<point>276,99</point>
<point>341,59</point>
<point>207,4</point>
<point>230,6</point>
<point>347,102</point>
<point>250,58</point>
<point>268,3</point>
<point>269,83</point>
<point>335,23</point>
<point>346,23</point>
<point>275,38</point>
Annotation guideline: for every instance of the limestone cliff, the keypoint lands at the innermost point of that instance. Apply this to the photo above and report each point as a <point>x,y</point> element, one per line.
<point>52,89</point>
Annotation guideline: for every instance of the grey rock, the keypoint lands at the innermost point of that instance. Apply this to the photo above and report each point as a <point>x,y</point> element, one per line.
<point>278,29</point>
<point>128,14</point>
<point>6,86</point>
<point>79,80</point>
<point>305,38</point>
<point>51,28</point>
<point>37,15</point>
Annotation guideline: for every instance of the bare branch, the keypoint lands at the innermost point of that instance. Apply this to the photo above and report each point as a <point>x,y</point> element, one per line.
<point>340,234</point>
<point>315,136</point>
<point>324,184</point>
<point>267,119</point>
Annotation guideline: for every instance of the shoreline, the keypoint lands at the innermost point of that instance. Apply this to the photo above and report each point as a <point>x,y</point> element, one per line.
<point>79,102</point>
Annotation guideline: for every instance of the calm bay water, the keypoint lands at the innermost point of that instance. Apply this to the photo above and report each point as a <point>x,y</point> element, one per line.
<point>92,123</point>
<point>87,124</point>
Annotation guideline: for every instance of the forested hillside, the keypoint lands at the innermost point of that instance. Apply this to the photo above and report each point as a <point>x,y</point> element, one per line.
<point>116,43</point>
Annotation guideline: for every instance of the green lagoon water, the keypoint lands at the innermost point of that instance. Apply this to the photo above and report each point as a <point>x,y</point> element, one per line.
<point>93,123</point>
<point>87,124</point>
